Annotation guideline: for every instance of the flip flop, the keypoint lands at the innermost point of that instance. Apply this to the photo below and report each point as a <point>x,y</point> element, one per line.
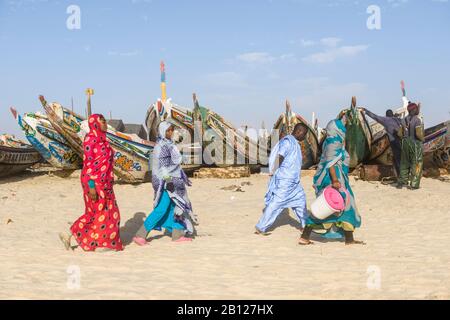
<point>355,242</point>
<point>309,243</point>
<point>257,231</point>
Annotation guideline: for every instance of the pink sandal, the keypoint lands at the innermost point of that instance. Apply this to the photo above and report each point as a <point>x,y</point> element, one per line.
<point>140,241</point>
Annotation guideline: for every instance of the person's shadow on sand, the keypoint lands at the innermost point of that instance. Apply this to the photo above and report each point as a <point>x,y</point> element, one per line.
<point>128,231</point>
<point>285,219</point>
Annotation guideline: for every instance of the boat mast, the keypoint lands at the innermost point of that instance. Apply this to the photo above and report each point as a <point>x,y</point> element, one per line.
<point>89,93</point>
<point>163,82</point>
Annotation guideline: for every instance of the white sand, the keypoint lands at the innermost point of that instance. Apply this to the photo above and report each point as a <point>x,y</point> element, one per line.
<point>407,235</point>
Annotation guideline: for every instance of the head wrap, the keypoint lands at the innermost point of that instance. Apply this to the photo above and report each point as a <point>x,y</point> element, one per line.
<point>412,106</point>
<point>162,128</point>
<point>95,127</point>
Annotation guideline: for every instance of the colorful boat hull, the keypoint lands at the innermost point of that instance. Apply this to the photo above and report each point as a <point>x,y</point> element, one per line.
<point>132,158</point>
<point>310,146</point>
<point>52,146</point>
<point>15,156</point>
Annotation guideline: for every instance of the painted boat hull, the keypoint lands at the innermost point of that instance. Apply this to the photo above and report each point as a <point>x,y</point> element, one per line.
<point>132,158</point>
<point>15,160</point>
<point>437,146</point>
<point>380,151</point>
<point>212,124</point>
<point>52,146</point>
<point>311,148</point>
<point>245,151</point>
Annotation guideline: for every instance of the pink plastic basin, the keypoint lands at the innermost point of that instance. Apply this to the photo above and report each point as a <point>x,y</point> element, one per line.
<point>334,198</point>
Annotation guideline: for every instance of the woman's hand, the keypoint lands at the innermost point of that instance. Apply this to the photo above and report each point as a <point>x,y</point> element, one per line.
<point>336,185</point>
<point>170,187</point>
<point>93,194</point>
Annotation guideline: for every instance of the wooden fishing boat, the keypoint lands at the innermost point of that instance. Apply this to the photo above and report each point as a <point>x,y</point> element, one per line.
<point>184,134</point>
<point>52,146</point>
<point>358,138</point>
<point>180,117</point>
<point>131,154</point>
<point>380,151</point>
<point>16,156</point>
<point>436,147</point>
<point>310,146</point>
<point>238,147</point>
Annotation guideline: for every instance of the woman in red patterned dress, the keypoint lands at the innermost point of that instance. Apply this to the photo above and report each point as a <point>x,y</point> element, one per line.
<point>98,227</point>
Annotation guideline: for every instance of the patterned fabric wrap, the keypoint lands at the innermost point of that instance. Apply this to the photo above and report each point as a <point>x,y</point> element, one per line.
<point>99,225</point>
<point>166,167</point>
<point>334,154</point>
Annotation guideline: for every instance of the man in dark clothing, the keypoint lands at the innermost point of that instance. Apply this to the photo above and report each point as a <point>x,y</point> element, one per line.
<point>391,124</point>
<point>412,149</point>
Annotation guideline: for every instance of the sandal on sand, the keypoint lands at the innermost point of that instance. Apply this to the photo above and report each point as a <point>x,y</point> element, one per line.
<point>183,239</point>
<point>304,242</point>
<point>140,241</point>
<point>355,242</point>
<point>65,240</point>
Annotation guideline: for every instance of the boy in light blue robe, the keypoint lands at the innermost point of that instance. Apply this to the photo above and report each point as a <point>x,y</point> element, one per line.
<point>285,190</point>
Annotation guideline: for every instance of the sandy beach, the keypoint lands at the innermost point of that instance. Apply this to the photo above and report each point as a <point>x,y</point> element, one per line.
<point>407,253</point>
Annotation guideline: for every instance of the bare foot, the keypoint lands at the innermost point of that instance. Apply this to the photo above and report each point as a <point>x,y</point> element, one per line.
<point>355,242</point>
<point>65,239</point>
<point>304,242</point>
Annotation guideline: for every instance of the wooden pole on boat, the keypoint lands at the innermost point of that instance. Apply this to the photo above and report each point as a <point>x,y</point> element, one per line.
<point>353,102</point>
<point>89,93</point>
<point>163,82</point>
<point>71,100</point>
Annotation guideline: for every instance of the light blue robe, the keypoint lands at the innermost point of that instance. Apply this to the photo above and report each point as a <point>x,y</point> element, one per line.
<point>285,190</point>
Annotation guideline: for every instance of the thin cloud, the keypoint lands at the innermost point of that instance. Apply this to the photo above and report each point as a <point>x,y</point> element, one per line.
<point>264,58</point>
<point>397,3</point>
<point>330,55</point>
<point>330,42</point>
<point>255,57</point>
<point>124,54</point>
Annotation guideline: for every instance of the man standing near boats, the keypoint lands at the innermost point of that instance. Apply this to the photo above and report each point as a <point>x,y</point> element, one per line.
<point>391,124</point>
<point>285,190</point>
<point>412,149</point>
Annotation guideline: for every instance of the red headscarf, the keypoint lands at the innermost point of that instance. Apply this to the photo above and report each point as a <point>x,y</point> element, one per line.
<point>413,107</point>
<point>98,157</point>
<point>99,226</point>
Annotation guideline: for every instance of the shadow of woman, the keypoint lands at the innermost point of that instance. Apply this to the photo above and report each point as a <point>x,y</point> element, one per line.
<point>129,229</point>
<point>285,219</point>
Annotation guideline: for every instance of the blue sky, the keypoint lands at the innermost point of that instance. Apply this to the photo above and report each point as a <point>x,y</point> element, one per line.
<point>242,58</point>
